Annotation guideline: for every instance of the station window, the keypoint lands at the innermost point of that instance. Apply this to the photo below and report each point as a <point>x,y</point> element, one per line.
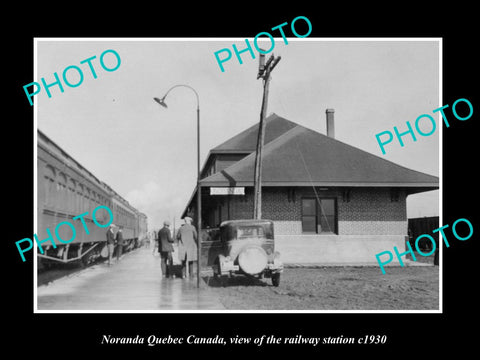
<point>319,216</point>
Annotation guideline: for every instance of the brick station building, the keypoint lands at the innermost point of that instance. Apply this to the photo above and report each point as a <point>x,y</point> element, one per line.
<point>330,202</point>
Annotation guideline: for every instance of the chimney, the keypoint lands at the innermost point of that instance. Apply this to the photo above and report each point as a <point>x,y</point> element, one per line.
<point>330,123</point>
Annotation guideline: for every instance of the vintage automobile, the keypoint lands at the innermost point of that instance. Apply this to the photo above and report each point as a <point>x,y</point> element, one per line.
<point>248,248</point>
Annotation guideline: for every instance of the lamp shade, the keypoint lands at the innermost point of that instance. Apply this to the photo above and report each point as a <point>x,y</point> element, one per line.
<point>160,101</point>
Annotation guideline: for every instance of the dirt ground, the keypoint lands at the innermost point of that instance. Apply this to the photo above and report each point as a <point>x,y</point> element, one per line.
<point>335,288</point>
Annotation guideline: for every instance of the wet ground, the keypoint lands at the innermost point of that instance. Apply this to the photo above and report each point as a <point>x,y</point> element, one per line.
<point>134,283</point>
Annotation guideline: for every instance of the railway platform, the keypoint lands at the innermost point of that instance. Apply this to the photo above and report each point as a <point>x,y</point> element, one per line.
<point>133,284</point>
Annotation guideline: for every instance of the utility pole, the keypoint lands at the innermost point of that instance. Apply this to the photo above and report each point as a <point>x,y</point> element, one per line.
<point>264,71</point>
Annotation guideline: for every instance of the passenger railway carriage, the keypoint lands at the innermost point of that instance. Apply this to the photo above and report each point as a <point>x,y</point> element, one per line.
<point>65,189</point>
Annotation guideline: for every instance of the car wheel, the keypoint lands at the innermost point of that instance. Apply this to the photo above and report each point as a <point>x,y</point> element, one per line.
<point>276,279</point>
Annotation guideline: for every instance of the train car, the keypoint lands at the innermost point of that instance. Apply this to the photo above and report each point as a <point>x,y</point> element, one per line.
<point>423,225</point>
<point>66,189</point>
<point>126,217</point>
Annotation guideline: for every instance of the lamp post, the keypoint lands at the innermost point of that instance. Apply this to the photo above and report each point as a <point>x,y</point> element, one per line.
<point>199,195</point>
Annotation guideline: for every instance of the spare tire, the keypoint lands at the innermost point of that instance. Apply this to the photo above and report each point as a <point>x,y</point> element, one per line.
<point>252,260</point>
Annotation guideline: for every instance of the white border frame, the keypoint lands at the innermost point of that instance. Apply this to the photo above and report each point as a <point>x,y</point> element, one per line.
<point>35,174</point>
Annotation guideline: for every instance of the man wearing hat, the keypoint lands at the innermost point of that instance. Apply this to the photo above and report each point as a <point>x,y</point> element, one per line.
<point>119,239</point>
<point>187,236</point>
<point>110,243</point>
<point>165,249</point>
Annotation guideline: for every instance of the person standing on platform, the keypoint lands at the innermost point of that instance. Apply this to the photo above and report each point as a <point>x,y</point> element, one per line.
<point>165,249</point>
<point>187,237</point>
<point>119,243</point>
<point>110,243</point>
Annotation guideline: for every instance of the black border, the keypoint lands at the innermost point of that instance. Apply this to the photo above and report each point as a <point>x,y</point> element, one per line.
<point>60,335</point>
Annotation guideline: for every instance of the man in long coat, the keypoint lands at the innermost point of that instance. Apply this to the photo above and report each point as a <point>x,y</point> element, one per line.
<point>119,239</point>
<point>110,243</point>
<point>165,249</point>
<point>187,237</point>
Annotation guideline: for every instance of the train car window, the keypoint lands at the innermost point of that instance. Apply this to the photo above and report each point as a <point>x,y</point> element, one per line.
<point>80,198</point>
<point>49,185</point>
<point>87,205</point>
<point>85,200</point>
<point>71,195</point>
<point>94,200</point>
<point>62,192</point>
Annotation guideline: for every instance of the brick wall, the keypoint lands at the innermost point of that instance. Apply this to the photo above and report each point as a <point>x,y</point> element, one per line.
<point>369,211</point>
<point>368,223</point>
<point>275,205</point>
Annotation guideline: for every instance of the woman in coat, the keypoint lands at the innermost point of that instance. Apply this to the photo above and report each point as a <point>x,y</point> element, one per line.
<point>187,240</point>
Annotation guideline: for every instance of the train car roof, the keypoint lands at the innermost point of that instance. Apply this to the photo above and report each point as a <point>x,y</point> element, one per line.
<point>49,145</point>
<point>54,148</point>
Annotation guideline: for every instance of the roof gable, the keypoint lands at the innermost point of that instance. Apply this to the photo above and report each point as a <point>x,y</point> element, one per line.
<point>303,157</point>
<point>246,141</point>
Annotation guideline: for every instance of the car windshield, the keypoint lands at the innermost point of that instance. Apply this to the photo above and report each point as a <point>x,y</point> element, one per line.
<point>250,231</point>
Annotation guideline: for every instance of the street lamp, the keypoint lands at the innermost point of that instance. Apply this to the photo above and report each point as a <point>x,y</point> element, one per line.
<point>161,101</point>
<point>199,197</point>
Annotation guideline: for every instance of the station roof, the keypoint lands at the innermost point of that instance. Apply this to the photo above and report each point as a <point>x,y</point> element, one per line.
<point>294,155</point>
<point>246,141</point>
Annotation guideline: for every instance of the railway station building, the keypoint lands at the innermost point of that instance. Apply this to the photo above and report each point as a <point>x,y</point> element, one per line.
<point>331,203</point>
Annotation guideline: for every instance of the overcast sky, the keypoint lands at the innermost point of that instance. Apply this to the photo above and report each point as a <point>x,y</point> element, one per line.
<point>112,126</point>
